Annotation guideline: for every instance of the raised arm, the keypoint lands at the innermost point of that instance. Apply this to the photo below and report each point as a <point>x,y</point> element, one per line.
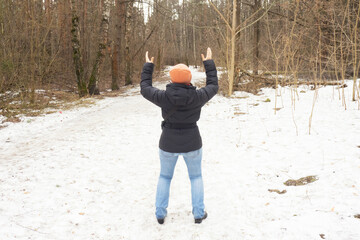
<point>212,87</point>
<point>149,92</point>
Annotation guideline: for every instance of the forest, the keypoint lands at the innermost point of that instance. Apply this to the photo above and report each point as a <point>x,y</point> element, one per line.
<point>92,45</point>
<point>85,150</point>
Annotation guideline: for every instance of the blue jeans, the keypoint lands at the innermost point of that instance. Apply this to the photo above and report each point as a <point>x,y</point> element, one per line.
<point>193,162</point>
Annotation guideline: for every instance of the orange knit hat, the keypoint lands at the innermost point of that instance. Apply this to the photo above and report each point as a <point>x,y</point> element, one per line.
<point>180,73</point>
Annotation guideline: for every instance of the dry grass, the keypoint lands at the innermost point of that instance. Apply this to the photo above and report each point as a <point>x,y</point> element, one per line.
<point>277,191</point>
<point>239,113</point>
<point>248,82</point>
<point>301,181</point>
<point>15,105</point>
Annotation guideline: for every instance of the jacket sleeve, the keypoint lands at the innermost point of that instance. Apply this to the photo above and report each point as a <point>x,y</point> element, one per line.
<point>149,92</point>
<point>206,93</point>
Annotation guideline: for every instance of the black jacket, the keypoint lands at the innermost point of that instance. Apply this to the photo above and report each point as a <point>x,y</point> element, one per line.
<point>181,105</point>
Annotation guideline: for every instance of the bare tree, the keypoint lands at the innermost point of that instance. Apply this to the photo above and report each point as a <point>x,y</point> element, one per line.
<point>79,69</point>
<point>314,40</point>
<point>103,44</point>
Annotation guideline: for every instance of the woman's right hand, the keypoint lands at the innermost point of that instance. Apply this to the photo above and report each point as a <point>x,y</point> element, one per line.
<point>208,55</point>
<point>147,58</point>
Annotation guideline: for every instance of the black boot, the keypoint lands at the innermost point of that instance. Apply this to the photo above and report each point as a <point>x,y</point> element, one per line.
<point>161,220</point>
<point>199,220</point>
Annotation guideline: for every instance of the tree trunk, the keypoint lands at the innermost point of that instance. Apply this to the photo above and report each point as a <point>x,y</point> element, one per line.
<point>128,62</point>
<point>48,22</point>
<point>100,55</point>
<point>194,39</point>
<point>185,49</point>
<point>84,37</point>
<point>121,38</point>
<point>114,69</point>
<point>31,9</point>
<point>355,74</point>
<point>257,7</point>
<point>238,40</point>
<point>158,60</point>
<point>115,50</point>
<point>232,53</point>
<point>79,69</point>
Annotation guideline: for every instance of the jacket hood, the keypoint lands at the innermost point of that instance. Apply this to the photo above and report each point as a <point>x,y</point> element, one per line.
<point>180,94</point>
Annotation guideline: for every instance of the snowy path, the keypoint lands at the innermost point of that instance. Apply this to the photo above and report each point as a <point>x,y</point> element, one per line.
<point>91,173</point>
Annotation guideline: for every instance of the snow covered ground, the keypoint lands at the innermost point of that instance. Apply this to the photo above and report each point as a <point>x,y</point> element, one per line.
<point>91,173</point>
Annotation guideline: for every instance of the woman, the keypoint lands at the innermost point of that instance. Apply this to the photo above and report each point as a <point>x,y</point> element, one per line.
<point>180,104</point>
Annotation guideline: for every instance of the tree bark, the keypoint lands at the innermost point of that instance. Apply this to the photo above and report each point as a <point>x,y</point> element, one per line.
<point>232,53</point>
<point>355,60</point>
<point>121,39</point>
<point>114,69</point>
<point>128,62</point>
<point>84,38</point>
<point>79,69</point>
<point>257,7</point>
<point>194,39</point>
<point>115,49</point>
<point>100,55</point>
<point>48,21</point>
<point>238,41</point>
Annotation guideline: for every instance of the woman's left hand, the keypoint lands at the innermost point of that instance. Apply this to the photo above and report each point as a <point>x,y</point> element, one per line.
<point>147,58</point>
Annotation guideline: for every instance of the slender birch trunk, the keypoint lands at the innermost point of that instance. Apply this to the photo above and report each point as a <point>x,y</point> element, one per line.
<point>100,55</point>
